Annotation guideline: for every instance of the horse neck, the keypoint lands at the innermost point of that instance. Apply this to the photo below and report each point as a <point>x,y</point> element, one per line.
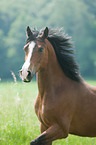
<point>48,77</point>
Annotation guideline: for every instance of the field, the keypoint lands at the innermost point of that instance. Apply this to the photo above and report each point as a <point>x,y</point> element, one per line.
<point>18,122</point>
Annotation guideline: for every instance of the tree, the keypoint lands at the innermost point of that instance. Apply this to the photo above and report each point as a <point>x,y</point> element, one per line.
<point>78,18</point>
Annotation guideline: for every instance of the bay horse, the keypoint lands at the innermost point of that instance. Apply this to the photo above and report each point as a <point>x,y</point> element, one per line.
<point>65,104</point>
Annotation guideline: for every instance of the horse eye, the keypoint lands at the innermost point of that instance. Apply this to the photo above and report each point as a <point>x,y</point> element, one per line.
<point>41,49</point>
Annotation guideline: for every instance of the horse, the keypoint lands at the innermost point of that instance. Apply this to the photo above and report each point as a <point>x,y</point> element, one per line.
<point>65,104</point>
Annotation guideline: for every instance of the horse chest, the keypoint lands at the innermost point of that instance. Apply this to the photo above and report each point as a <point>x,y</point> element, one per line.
<point>42,112</point>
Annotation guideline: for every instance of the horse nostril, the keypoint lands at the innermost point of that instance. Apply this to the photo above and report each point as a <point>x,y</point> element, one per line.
<point>29,73</point>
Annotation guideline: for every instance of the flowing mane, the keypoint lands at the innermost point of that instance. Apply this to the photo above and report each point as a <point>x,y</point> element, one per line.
<point>64,51</point>
<point>65,54</point>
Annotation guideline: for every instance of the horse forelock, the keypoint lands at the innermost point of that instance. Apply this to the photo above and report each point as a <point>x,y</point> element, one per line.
<point>34,35</point>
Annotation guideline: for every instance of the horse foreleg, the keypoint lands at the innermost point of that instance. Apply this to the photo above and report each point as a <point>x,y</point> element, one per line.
<point>42,129</point>
<point>52,133</point>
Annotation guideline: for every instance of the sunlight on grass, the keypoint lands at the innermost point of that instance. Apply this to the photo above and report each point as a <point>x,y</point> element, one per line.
<point>18,122</point>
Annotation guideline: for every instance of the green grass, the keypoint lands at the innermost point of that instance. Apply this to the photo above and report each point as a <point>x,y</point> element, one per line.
<point>18,122</point>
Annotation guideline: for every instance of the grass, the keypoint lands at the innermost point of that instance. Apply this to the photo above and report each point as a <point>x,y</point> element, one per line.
<point>18,122</point>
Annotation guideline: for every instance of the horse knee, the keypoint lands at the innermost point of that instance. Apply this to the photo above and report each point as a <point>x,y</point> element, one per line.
<point>65,135</point>
<point>65,132</point>
<point>52,133</point>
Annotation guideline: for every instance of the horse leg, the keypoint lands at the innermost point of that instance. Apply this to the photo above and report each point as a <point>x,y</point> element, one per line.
<point>42,129</point>
<point>52,133</point>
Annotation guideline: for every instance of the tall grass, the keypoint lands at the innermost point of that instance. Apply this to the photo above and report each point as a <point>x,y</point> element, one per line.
<point>18,122</point>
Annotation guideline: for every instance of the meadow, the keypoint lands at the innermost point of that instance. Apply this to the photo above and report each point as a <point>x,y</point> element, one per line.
<point>18,122</point>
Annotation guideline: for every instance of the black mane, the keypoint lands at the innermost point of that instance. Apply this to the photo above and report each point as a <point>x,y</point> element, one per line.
<point>64,52</point>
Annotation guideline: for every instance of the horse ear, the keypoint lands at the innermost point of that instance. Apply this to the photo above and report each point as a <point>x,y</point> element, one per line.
<point>45,33</point>
<point>28,31</point>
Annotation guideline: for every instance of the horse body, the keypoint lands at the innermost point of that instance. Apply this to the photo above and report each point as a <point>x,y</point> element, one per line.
<point>63,105</point>
<point>84,120</point>
<point>79,112</point>
<point>75,109</point>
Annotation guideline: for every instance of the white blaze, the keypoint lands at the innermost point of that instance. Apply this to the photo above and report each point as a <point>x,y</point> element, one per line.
<point>27,63</point>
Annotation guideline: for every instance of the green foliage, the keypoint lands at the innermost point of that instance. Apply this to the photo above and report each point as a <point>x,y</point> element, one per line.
<point>18,122</point>
<point>77,17</point>
<point>17,114</point>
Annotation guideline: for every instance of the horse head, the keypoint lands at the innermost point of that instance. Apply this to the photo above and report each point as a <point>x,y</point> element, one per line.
<point>35,54</point>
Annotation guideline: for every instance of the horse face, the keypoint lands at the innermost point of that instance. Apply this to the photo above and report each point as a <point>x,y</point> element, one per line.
<point>35,54</point>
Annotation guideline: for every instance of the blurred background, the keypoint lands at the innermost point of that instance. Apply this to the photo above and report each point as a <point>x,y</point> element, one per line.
<point>77,17</point>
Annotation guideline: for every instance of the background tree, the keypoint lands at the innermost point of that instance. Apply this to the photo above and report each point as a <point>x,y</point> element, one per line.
<point>78,18</point>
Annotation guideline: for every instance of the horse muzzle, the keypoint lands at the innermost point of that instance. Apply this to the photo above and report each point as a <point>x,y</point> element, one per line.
<point>26,75</point>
